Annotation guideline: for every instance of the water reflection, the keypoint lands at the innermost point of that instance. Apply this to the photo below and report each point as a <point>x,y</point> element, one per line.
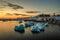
<point>7,31</point>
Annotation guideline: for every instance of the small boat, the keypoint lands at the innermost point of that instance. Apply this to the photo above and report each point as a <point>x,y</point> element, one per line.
<point>19,28</point>
<point>29,23</point>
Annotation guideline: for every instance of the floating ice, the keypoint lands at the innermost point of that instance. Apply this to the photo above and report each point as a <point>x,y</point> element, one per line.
<point>46,24</point>
<point>38,27</point>
<point>19,28</point>
<point>29,23</point>
<point>35,29</point>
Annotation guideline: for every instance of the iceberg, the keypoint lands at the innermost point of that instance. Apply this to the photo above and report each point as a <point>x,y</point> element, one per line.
<point>19,28</point>
<point>29,23</point>
<point>41,26</point>
<point>46,24</point>
<point>38,27</point>
<point>35,29</point>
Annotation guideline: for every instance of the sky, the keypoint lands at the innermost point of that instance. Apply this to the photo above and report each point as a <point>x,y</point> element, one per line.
<point>46,6</point>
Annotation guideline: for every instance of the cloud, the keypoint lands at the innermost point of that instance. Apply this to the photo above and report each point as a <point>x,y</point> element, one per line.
<point>14,6</point>
<point>8,14</point>
<point>20,14</point>
<point>16,14</point>
<point>2,7</point>
<point>32,11</point>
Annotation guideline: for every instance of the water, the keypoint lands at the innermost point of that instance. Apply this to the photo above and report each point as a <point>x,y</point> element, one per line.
<point>7,32</point>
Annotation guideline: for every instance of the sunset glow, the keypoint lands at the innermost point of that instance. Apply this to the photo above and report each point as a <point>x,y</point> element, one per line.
<point>22,7</point>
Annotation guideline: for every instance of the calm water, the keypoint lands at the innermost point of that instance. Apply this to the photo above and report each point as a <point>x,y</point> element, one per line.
<point>7,32</point>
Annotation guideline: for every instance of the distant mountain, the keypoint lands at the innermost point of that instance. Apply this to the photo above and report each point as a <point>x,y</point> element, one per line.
<point>43,15</point>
